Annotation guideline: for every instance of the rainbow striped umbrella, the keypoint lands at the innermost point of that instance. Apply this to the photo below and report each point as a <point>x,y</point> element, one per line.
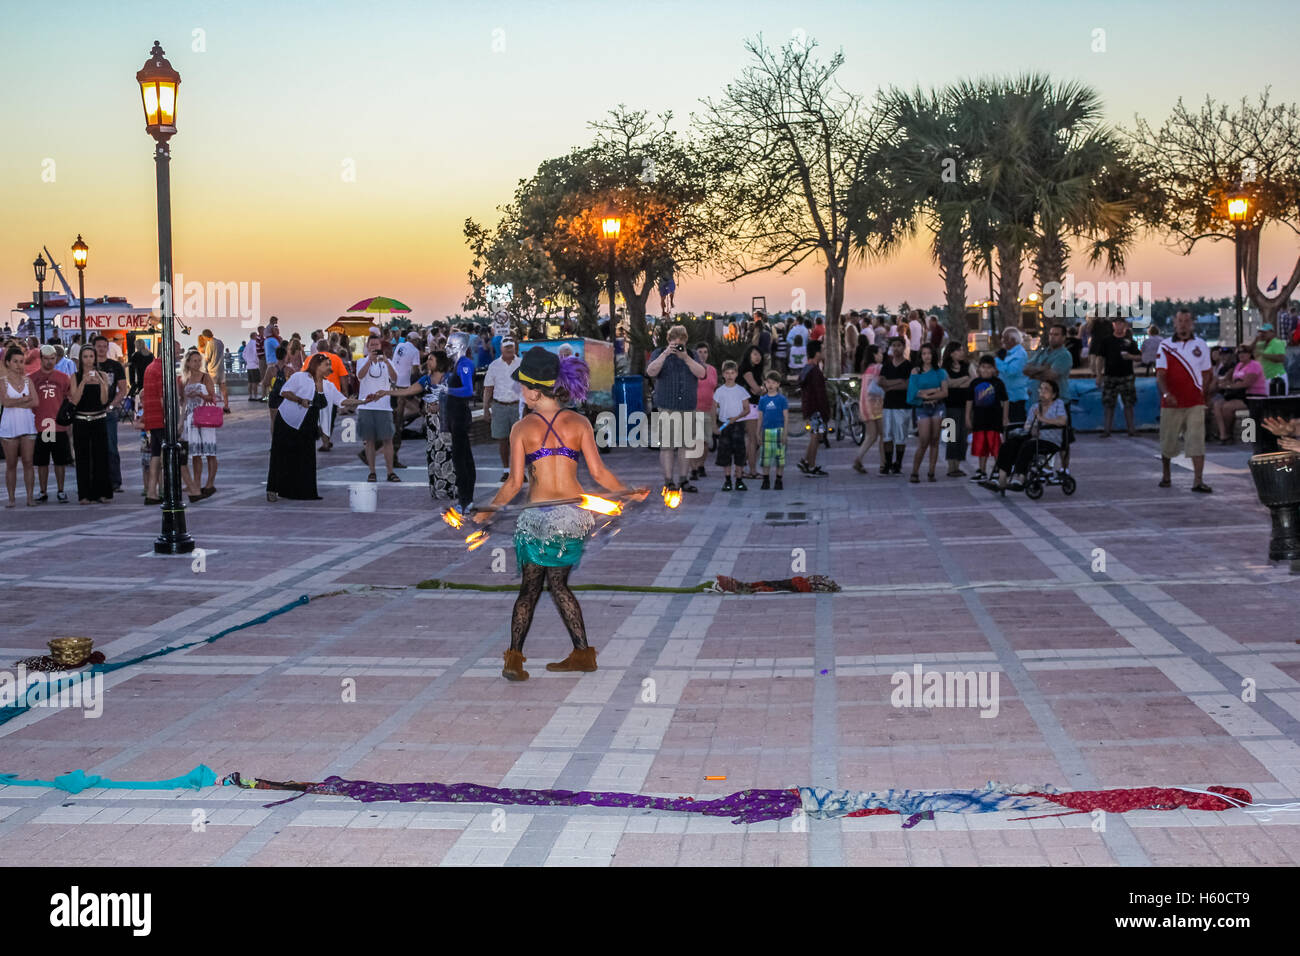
<point>379,303</point>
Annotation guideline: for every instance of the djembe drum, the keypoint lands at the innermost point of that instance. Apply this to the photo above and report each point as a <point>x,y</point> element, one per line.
<point>1277,482</point>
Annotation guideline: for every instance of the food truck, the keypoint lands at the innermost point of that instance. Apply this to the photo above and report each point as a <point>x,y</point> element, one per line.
<point>109,315</point>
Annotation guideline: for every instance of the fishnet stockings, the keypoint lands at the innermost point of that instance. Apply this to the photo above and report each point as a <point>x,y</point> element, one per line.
<point>530,590</point>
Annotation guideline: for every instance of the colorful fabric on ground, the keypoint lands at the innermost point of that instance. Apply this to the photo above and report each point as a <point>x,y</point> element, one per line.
<point>1149,798</point>
<point>79,780</point>
<point>746,806</point>
<point>803,585</point>
<point>821,803</point>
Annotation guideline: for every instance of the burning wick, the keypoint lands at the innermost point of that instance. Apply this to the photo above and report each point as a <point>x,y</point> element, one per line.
<point>672,498</point>
<point>453,518</point>
<point>476,540</point>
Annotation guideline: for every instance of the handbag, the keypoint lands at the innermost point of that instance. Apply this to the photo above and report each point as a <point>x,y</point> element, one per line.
<point>67,411</point>
<point>208,416</point>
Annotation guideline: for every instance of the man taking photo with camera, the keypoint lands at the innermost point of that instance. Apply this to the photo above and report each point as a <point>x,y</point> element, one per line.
<point>675,373</point>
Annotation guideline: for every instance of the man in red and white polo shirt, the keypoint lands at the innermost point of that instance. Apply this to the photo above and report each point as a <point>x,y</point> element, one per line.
<point>1182,375</point>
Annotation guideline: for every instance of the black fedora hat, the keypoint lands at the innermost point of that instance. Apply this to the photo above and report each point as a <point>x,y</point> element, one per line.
<point>538,368</point>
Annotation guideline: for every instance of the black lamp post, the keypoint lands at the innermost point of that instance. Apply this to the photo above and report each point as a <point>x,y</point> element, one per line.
<point>611,225</point>
<point>158,83</point>
<point>80,252</point>
<point>39,266</point>
<point>1238,208</point>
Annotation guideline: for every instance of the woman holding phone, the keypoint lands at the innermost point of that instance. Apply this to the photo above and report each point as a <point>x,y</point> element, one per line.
<point>89,393</point>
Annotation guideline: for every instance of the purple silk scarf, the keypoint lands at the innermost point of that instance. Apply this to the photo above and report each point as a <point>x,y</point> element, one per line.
<point>746,806</point>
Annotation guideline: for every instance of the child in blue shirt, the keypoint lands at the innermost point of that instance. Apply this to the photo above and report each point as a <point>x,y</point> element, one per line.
<point>775,411</point>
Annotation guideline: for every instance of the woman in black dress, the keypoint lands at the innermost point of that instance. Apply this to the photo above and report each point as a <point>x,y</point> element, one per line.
<point>89,393</point>
<point>292,471</point>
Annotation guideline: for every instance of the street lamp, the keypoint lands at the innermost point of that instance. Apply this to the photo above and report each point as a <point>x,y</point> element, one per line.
<point>158,85</point>
<point>611,225</point>
<point>39,267</point>
<point>1238,208</point>
<point>80,252</point>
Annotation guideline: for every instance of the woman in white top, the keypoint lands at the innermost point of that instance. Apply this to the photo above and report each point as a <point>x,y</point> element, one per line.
<point>292,470</point>
<point>18,424</point>
<point>197,388</point>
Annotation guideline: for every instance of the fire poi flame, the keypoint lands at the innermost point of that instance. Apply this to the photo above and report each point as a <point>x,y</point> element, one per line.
<point>453,518</point>
<point>476,540</point>
<point>600,505</point>
<point>672,498</point>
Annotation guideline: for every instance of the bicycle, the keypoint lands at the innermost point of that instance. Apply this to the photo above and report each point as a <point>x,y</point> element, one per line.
<point>845,411</point>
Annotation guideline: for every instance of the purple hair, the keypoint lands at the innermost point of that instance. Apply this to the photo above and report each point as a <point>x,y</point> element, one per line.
<point>572,377</point>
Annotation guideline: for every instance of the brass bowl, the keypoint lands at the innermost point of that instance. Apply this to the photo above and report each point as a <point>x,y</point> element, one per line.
<point>71,651</point>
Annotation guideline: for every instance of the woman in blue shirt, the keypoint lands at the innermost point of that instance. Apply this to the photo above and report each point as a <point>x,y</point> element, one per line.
<point>927,387</point>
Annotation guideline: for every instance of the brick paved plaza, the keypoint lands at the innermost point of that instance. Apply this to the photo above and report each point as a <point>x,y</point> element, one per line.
<point>1131,677</point>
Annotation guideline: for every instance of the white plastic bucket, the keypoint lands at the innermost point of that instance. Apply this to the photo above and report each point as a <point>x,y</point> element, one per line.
<point>363,497</point>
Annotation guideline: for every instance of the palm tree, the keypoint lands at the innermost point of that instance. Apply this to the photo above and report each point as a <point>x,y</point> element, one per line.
<point>931,168</point>
<point>1054,173</point>
<point>1084,184</point>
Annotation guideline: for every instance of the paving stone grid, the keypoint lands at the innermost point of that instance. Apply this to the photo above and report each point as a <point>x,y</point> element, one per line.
<point>1129,677</point>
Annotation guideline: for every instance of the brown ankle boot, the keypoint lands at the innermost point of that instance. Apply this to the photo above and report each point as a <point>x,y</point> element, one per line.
<point>583,660</point>
<point>514,669</point>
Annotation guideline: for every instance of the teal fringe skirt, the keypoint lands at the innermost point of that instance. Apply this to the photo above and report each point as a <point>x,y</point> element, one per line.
<point>552,537</point>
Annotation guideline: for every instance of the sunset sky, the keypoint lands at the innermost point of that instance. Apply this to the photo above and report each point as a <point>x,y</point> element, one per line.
<point>440,108</point>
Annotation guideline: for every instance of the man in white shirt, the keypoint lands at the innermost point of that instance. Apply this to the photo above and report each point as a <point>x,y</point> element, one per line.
<point>253,367</point>
<point>406,358</point>
<point>375,413</point>
<point>214,363</point>
<point>915,330</point>
<point>501,395</point>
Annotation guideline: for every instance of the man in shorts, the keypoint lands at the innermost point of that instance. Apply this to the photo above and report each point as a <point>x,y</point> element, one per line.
<point>1182,376</point>
<point>375,413</point>
<point>51,438</point>
<point>214,363</point>
<point>894,373</point>
<point>501,395</point>
<point>253,366</point>
<point>1116,375</point>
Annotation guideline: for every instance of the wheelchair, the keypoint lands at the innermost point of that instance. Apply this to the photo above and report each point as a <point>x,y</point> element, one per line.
<point>1040,475</point>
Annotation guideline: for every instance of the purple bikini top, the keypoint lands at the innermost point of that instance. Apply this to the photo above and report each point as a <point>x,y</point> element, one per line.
<point>567,452</point>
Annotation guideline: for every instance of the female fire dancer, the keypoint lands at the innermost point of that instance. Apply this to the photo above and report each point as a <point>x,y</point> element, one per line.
<point>549,538</point>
